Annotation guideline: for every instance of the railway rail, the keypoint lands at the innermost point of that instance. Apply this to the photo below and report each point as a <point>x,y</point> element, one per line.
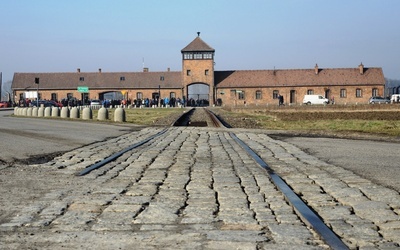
<point>202,117</point>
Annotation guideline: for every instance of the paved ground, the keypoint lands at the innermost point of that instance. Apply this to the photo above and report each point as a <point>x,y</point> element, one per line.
<point>192,188</point>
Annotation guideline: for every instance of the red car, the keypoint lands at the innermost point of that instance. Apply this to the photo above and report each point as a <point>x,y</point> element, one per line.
<point>4,105</point>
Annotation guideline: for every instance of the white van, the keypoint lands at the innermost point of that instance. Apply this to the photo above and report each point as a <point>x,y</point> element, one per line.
<point>395,98</point>
<point>315,99</point>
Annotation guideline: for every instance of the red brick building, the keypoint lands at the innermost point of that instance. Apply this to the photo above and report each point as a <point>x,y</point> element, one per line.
<point>199,83</point>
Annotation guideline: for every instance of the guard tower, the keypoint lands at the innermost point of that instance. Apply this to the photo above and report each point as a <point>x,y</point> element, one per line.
<point>198,73</point>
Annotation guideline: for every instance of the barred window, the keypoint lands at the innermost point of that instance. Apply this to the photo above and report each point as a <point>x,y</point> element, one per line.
<point>310,91</point>
<point>139,95</point>
<point>241,95</point>
<point>275,94</point>
<point>375,92</point>
<point>258,95</point>
<point>343,93</point>
<point>358,93</point>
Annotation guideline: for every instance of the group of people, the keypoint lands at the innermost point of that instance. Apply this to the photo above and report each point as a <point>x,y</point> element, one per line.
<point>163,102</point>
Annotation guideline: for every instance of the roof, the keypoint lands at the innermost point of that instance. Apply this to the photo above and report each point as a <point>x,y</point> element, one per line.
<point>97,80</point>
<point>198,45</point>
<point>223,79</point>
<point>298,77</point>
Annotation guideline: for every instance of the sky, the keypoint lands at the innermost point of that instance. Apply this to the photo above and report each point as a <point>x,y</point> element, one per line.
<point>124,35</point>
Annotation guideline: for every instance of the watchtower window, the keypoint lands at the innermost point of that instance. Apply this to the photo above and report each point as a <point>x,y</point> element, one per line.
<point>206,72</point>
<point>198,56</point>
<point>188,72</point>
<point>187,56</point>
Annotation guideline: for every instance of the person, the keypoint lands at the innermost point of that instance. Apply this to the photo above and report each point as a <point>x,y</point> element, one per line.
<point>280,97</point>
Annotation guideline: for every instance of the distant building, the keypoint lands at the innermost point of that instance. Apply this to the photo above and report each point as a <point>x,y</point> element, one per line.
<point>199,84</point>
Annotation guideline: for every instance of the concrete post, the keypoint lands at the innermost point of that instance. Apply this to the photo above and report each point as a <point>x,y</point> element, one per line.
<point>64,112</point>
<point>29,111</point>
<point>102,115</point>
<point>55,112</point>
<point>74,113</point>
<point>47,111</point>
<point>41,112</point>
<point>87,114</point>
<point>119,115</point>
<point>35,111</point>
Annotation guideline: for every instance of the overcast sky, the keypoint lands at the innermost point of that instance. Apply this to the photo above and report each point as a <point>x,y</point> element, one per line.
<point>63,35</point>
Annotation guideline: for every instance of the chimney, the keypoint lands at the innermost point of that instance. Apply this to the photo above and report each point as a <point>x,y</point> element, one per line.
<point>78,70</point>
<point>100,70</point>
<point>361,68</point>
<point>145,69</point>
<point>168,69</point>
<point>316,69</point>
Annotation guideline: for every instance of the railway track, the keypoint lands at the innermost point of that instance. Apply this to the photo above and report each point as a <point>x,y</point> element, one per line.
<point>202,117</point>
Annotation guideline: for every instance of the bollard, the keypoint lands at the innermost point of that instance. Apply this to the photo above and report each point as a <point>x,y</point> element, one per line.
<point>29,111</point>
<point>16,111</point>
<point>35,111</point>
<point>41,112</point>
<point>47,111</point>
<point>64,112</point>
<point>55,112</point>
<point>102,114</point>
<point>24,112</point>
<point>87,114</point>
<point>119,115</point>
<point>74,113</point>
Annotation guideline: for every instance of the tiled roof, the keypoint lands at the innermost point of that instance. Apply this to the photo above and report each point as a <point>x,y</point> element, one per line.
<point>97,80</point>
<point>298,77</point>
<point>198,45</point>
<point>223,79</point>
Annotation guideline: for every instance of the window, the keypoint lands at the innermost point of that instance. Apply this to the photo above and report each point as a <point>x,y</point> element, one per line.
<point>343,93</point>
<point>258,95</point>
<point>240,95</point>
<point>69,96</point>
<point>122,78</point>
<point>54,96</point>
<point>81,78</point>
<point>310,91</point>
<point>206,72</point>
<point>139,95</point>
<point>187,56</point>
<point>275,94</point>
<point>198,56</point>
<point>21,96</point>
<point>172,95</point>
<point>358,93</point>
<point>207,56</point>
<point>375,92</point>
<point>161,78</point>
<point>188,72</point>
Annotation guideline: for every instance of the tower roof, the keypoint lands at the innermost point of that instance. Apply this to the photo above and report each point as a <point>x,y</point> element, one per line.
<point>197,45</point>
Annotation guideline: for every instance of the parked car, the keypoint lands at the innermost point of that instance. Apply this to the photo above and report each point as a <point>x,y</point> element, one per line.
<point>95,102</point>
<point>378,99</point>
<point>395,98</point>
<point>4,105</point>
<point>315,99</point>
